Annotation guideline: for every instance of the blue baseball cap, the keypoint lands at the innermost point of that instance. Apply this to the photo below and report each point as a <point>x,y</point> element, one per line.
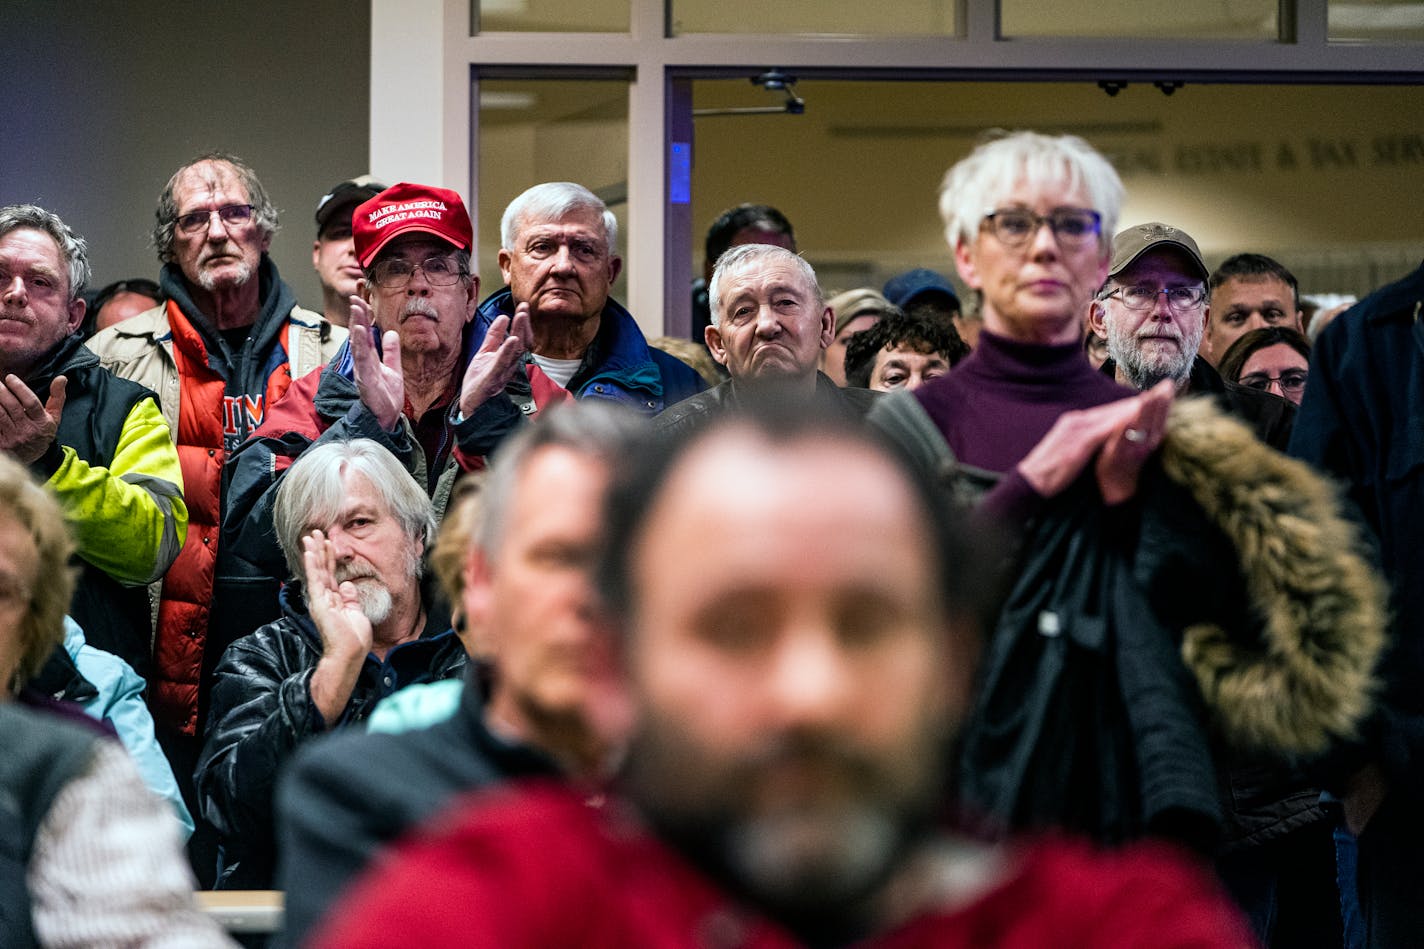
<point>901,289</point>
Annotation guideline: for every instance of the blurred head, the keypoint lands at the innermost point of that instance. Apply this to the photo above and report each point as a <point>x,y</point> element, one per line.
<point>119,301</point>
<point>36,583</point>
<point>215,221</point>
<point>1152,311</point>
<point>745,224</point>
<point>43,270</point>
<point>528,591</point>
<point>855,311</point>
<point>1248,292</point>
<point>558,251</point>
<point>923,288</point>
<point>334,250</point>
<point>797,666</point>
<point>769,321</point>
<point>902,352</point>
<point>1025,215</point>
<point>376,517</point>
<point>1275,359</point>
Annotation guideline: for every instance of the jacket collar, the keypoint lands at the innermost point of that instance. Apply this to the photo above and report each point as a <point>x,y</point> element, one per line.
<point>619,351</point>
<point>1202,379</point>
<point>276,300</point>
<point>69,355</point>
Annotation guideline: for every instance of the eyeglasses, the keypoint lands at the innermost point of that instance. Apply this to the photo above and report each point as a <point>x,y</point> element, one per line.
<point>395,273</point>
<point>231,214</point>
<point>1072,227</point>
<point>1292,381</point>
<point>1179,299</point>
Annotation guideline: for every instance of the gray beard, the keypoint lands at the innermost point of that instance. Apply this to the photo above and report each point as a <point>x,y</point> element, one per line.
<point>375,600</point>
<point>1142,375</point>
<point>209,281</point>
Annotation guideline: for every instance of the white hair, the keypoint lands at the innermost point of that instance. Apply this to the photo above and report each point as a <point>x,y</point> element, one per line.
<point>975,185</point>
<point>748,256</point>
<point>552,201</point>
<point>313,489</point>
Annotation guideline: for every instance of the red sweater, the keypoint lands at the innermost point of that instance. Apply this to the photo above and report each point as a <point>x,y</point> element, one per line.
<point>537,867</point>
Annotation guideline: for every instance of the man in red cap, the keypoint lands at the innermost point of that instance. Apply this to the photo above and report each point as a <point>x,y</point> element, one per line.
<point>408,379</point>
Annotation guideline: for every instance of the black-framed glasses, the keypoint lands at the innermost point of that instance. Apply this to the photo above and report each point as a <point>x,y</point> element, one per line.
<point>1292,381</point>
<point>394,273</point>
<point>1071,227</point>
<point>231,215</point>
<point>1142,297</point>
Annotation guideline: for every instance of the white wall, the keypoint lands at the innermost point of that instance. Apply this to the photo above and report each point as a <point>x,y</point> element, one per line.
<point>103,100</point>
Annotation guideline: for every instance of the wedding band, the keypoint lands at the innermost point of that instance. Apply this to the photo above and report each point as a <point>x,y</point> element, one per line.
<point>1134,435</point>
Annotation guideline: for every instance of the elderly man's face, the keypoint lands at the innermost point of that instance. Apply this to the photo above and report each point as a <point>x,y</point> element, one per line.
<point>19,572</point>
<point>772,322</point>
<point>563,268</point>
<point>1242,304</point>
<point>1159,342</point>
<point>793,686</point>
<point>536,602</point>
<point>430,317</point>
<point>217,256</point>
<point>372,549</point>
<point>35,309</point>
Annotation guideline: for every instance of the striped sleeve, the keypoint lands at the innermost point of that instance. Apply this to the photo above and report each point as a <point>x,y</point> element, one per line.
<point>108,866</point>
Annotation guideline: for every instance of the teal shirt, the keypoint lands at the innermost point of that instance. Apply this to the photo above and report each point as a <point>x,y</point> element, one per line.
<point>416,706</point>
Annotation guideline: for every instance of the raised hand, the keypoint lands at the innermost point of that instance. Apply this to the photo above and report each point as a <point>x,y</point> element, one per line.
<point>495,362</point>
<point>379,379</point>
<point>346,635</point>
<point>27,427</point>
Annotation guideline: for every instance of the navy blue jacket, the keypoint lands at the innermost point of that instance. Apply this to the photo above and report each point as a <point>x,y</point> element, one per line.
<point>1360,422</point>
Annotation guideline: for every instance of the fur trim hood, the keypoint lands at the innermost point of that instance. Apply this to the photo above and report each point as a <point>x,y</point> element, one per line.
<point>1308,679</point>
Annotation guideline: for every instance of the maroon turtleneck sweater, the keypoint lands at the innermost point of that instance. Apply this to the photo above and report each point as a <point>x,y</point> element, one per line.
<point>1000,402</point>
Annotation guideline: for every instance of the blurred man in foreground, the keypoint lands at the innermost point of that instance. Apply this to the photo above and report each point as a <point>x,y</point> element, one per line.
<point>793,709</point>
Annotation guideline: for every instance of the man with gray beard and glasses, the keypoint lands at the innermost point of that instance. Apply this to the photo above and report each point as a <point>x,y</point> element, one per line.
<point>358,626</point>
<point>1153,310</point>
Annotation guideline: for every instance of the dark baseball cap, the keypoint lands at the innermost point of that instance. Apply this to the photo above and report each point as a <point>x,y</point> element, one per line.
<point>342,199</point>
<point>902,288</point>
<point>1133,242</point>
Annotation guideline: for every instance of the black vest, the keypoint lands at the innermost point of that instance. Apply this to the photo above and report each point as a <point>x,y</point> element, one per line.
<point>39,755</point>
<point>114,617</point>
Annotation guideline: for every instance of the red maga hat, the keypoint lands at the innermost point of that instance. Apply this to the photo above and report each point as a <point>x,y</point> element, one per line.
<point>407,207</point>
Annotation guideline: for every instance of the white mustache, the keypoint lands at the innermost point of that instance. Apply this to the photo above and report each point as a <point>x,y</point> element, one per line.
<point>418,306</point>
<point>354,572</point>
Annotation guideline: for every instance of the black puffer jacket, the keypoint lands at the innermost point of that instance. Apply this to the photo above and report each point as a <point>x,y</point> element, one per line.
<point>262,711</point>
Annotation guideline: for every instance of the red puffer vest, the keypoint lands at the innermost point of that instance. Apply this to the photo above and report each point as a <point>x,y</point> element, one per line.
<point>203,418</point>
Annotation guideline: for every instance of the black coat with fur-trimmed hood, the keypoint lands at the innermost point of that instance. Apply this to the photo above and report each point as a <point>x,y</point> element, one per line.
<point>1226,609</point>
